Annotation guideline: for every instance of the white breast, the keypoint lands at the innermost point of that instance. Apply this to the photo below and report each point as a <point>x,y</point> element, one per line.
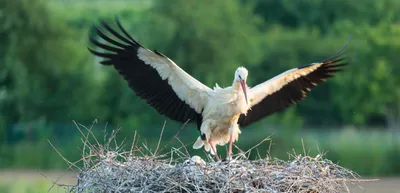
<point>224,104</point>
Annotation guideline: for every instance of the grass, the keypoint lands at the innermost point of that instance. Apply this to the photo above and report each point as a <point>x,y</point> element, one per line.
<point>23,181</point>
<point>24,186</point>
<point>372,153</point>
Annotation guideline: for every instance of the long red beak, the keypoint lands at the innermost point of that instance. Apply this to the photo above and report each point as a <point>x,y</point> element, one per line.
<point>243,83</point>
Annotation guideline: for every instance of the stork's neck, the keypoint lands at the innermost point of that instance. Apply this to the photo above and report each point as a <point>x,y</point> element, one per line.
<point>236,87</point>
<point>241,104</point>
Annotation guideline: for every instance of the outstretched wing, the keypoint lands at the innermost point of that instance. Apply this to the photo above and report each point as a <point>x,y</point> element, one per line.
<point>153,76</point>
<point>288,88</point>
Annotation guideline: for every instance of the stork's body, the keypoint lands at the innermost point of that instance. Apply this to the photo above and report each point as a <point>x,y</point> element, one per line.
<point>218,112</point>
<point>221,114</point>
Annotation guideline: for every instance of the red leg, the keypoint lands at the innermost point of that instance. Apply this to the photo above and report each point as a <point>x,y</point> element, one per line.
<point>230,145</point>
<point>213,149</point>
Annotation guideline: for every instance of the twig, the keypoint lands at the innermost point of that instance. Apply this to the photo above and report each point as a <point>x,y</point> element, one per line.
<point>266,139</point>
<point>177,133</point>
<point>159,140</point>
<point>184,147</point>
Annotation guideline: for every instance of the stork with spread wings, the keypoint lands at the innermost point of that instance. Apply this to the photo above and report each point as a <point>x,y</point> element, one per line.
<point>218,112</point>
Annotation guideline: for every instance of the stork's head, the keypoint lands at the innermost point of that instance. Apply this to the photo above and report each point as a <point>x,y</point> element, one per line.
<point>241,74</point>
<point>241,77</point>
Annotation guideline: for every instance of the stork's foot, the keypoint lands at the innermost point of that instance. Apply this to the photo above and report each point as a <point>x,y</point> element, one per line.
<point>217,157</point>
<point>228,159</point>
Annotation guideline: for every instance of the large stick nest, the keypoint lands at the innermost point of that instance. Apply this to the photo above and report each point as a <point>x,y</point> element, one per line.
<point>107,169</point>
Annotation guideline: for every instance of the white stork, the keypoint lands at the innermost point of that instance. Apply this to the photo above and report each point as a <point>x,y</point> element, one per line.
<point>218,112</point>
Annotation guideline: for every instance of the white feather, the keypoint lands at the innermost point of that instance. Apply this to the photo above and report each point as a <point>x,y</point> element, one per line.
<point>259,92</point>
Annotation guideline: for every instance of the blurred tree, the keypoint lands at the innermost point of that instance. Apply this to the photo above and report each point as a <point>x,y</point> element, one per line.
<point>211,39</point>
<point>370,94</point>
<point>44,74</point>
<point>308,31</point>
<point>322,14</point>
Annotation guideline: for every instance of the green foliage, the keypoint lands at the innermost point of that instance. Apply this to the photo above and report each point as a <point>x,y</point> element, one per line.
<point>211,46</point>
<point>47,74</point>
<point>373,89</point>
<point>324,14</point>
<point>300,27</point>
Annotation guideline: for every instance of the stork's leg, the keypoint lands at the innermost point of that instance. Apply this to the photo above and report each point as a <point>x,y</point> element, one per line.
<point>213,149</point>
<point>230,145</point>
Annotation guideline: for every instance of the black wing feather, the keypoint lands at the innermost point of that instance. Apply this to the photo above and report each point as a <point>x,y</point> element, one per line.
<point>294,91</point>
<point>144,80</point>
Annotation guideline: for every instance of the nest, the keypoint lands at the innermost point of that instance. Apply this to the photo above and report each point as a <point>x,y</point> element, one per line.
<point>107,169</point>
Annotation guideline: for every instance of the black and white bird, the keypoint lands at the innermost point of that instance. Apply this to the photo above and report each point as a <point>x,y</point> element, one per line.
<point>218,112</point>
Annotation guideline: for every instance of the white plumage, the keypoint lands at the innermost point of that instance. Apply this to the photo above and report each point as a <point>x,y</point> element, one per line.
<point>218,112</point>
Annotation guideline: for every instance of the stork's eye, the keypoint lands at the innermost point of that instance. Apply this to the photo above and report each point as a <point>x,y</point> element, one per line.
<point>240,77</point>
